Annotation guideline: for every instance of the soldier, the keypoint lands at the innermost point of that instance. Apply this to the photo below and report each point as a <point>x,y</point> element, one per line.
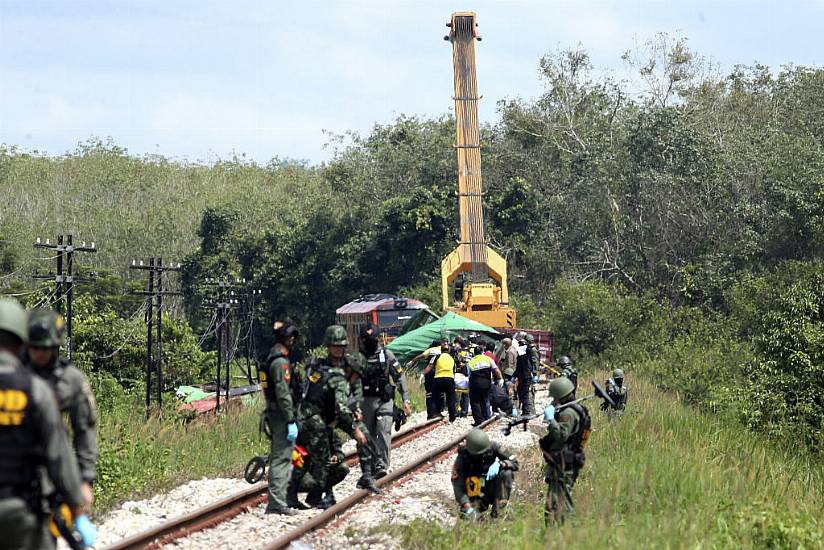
<point>32,435</point>
<point>275,380</point>
<point>482,475</point>
<point>338,470</point>
<point>368,457</point>
<point>563,447</point>
<point>534,356</point>
<point>323,407</point>
<point>47,332</point>
<point>617,391</point>
<point>382,368</point>
<point>568,370</point>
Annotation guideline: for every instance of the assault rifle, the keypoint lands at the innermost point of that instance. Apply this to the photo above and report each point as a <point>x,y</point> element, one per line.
<point>524,420</point>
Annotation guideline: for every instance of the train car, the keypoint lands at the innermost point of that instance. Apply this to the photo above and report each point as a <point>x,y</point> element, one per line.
<point>387,311</point>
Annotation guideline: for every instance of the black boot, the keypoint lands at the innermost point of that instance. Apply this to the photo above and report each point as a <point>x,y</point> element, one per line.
<point>329,496</point>
<point>315,500</point>
<point>292,498</point>
<point>367,482</point>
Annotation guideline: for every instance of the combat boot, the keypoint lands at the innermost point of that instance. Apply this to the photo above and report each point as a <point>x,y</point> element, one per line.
<point>292,498</point>
<point>315,500</point>
<point>379,470</point>
<point>367,482</point>
<point>329,496</point>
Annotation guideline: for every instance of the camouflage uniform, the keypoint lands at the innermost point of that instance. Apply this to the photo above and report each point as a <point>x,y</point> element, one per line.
<point>470,469</point>
<point>324,407</point>
<point>31,434</point>
<point>563,449</point>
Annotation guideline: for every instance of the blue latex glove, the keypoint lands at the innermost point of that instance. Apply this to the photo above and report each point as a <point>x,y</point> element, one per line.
<point>514,411</point>
<point>534,379</point>
<point>291,432</point>
<point>470,514</point>
<point>86,530</point>
<point>549,412</point>
<point>493,470</point>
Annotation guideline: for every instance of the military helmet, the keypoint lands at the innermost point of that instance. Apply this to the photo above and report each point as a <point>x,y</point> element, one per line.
<point>47,329</point>
<point>618,373</point>
<point>564,361</point>
<point>356,362</point>
<point>477,441</point>
<point>561,387</point>
<point>14,319</point>
<point>529,338</point>
<point>335,335</point>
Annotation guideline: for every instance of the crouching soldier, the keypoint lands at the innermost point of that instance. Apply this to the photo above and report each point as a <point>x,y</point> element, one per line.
<point>617,391</point>
<point>563,447</point>
<point>482,475</point>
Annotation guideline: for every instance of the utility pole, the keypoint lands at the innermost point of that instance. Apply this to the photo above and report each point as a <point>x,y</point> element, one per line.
<point>224,302</point>
<point>64,284</point>
<point>154,319</point>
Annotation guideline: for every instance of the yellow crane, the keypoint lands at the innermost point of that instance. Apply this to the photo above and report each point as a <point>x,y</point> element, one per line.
<point>481,293</point>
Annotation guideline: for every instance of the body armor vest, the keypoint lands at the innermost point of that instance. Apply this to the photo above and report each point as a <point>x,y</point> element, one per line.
<point>376,377</point>
<point>266,381</point>
<point>317,393</point>
<point>17,439</point>
<point>477,465</point>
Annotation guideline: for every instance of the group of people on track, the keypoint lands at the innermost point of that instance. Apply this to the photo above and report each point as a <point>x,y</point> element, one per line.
<point>355,393</point>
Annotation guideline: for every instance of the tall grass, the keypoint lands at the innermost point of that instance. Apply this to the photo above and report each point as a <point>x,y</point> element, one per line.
<point>663,476</point>
<point>141,457</point>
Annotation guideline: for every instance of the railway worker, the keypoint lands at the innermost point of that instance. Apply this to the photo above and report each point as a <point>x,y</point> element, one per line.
<point>47,333</point>
<point>563,447</point>
<point>275,380</point>
<point>482,372</point>
<point>354,365</point>
<point>617,391</point>
<point>482,475</point>
<point>443,383</point>
<point>568,369</point>
<point>323,407</point>
<point>31,434</point>
<point>382,376</point>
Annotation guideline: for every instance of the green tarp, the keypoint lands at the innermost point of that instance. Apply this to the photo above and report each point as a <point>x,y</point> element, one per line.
<point>450,325</point>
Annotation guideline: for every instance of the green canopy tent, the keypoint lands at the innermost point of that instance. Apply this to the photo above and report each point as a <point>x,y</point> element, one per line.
<point>450,325</point>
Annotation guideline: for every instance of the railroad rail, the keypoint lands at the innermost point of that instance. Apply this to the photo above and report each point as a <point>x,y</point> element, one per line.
<point>238,503</point>
<point>330,514</point>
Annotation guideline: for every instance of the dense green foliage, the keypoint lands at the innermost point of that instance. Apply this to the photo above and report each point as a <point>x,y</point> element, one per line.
<point>676,232</point>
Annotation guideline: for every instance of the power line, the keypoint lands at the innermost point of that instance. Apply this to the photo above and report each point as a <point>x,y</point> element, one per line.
<point>154,350</point>
<point>64,284</point>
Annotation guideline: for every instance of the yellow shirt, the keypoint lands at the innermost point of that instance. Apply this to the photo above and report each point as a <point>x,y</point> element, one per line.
<point>445,366</point>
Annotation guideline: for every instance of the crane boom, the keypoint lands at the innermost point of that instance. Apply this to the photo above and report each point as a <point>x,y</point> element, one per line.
<point>485,298</point>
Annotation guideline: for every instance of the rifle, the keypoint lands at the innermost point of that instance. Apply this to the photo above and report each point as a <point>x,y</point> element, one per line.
<point>523,420</point>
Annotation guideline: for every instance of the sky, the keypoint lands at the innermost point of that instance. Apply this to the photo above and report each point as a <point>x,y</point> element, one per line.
<point>201,80</point>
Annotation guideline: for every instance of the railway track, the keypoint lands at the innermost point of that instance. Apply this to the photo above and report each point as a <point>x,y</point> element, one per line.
<point>235,504</point>
<point>342,507</point>
<point>221,514</point>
